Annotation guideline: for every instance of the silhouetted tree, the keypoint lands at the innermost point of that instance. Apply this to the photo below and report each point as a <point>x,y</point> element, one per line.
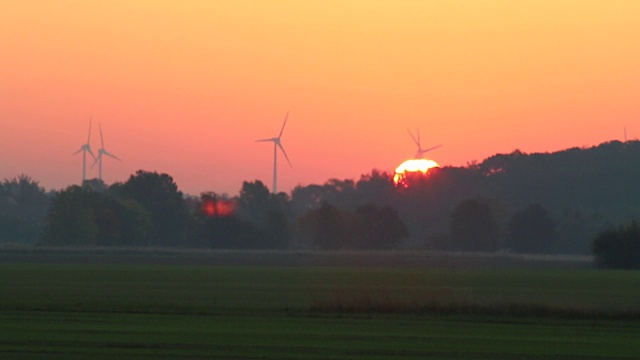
<point>276,233</point>
<point>96,185</point>
<point>159,195</point>
<point>531,230</point>
<point>254,197</point>
<point>23,208</point>
<point>474,226</point>
<point>586,189</point>
<point>325,227</point>
<point>339,193</point>
<point>71,219</point>
<point>378,228</point>
<point>376,188</point>
<point>83,217</point>
<point>618,248</point>
<point>121,222</point>
<point>427,203</point>
<point>305,198</point>
<point>217,226</point>
<point>265,214</point>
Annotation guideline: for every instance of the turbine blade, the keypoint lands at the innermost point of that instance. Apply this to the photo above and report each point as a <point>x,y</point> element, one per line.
<point>89,137</point>
<point>285,123</point>
<point>285,153</point>
<point>111,155</point>
<point>91,152</point>
<point>101,139</point>
<point>418,133</point>
<point>79,151</point>
<point>265,140</point>
<point>413,137</point>
<point>431,148</point>
<point>95,161</point>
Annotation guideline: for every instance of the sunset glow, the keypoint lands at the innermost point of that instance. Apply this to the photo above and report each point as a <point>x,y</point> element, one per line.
<point>412,166</point>
<point>185,87</point>
<point>218,207</point>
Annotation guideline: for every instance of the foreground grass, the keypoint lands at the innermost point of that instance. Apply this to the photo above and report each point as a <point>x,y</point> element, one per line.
<point>155,311</point>
<point>56,335</point>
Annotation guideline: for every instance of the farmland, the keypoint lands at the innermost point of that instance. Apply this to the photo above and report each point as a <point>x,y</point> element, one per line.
<point>272,306</point>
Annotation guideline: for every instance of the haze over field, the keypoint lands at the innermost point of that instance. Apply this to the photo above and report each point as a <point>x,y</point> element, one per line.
<point>186,87</point>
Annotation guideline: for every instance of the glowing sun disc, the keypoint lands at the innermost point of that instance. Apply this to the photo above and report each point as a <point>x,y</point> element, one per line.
<point>412,166</point>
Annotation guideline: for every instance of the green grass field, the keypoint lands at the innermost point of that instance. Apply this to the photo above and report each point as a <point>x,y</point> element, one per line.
<point>146,311</point>
<point>64,335</point>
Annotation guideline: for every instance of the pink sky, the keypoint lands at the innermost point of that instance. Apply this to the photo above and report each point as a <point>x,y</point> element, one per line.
<point>185,87</point>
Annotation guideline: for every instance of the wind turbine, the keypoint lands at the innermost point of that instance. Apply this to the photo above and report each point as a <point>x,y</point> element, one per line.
<point>420,153</point>
<point>101,152</point>
<point>86,148</point>
<point>277,144</point>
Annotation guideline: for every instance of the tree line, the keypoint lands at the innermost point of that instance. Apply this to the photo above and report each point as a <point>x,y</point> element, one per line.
<point>527,203</point>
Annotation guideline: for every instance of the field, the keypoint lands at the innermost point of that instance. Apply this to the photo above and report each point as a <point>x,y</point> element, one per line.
<point>276,306</point>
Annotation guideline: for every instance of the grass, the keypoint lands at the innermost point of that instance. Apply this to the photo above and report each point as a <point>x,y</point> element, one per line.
<point>102,336</point>
<point>124,311</point>
<point>215,290</point>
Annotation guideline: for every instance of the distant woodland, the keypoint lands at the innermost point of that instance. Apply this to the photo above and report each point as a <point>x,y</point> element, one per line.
<point>551,203</point>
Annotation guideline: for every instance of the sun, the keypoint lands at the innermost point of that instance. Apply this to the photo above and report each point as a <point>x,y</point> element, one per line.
<point>420,166</point>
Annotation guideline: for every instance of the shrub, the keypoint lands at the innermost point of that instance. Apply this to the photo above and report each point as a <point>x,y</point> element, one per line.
<point>618,248</point>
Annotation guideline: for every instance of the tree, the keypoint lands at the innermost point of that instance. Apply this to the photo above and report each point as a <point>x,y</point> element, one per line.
<point>121,222</point>
<point>254,197</point>
<point>340,193</point>
<point>531,230</point>
<point>159,195</point>
<point>23,208</point>
<point>618,248</point>
<point>325,227</point>
<point>71,220</point>
<point>218,226</point>
<point>96,185</point>
<point>376,188</point>
<point>474,226</point>
<point>305,198</point>
<point>84,217</point>
<point>378,228</point>
<point>276,233</point>
<point>266,213</point>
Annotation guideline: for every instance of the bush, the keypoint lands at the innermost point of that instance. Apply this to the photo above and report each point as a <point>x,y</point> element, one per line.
<point>618,248</point>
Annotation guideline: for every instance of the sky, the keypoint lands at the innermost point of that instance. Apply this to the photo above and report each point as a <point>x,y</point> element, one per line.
<point>185,87</point>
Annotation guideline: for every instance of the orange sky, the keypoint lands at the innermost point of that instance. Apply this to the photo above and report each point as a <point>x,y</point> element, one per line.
<point>185,87</point>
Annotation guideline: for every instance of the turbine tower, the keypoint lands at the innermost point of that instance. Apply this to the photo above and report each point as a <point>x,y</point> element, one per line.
<point>277,144</point>
<point>86,148</point>
<point>101,152</point>
<point>420,153</point>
